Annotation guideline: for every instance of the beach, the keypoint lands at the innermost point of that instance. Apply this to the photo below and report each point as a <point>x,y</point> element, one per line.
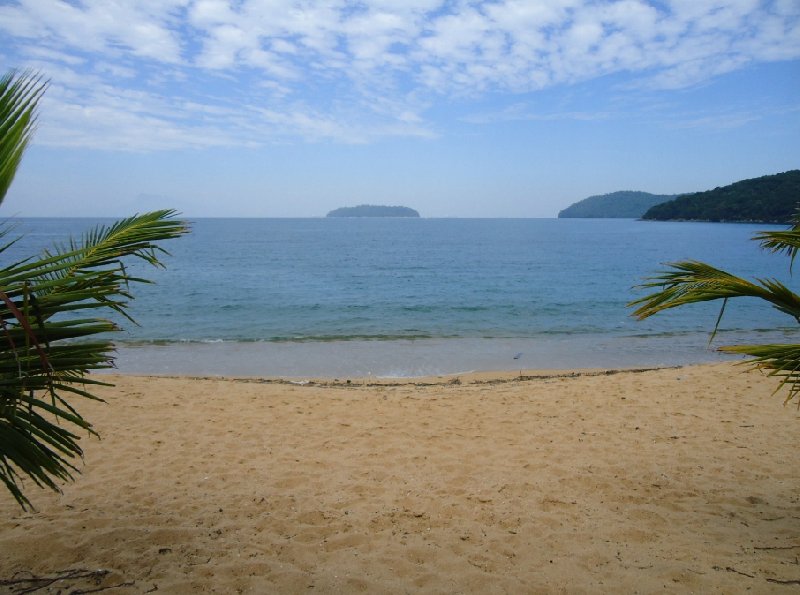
<point>678,479</point>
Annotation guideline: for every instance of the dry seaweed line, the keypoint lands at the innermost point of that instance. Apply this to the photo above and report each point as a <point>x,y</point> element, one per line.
<point>776,581</point>
<point>731,569</point>
<point>784,582</point>
<point>370,383</point>
<point>32,583</point>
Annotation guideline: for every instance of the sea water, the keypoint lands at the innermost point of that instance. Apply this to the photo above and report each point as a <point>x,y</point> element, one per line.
<point>406,297</point>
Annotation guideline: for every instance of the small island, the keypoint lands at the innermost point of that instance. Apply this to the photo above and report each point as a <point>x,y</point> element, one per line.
<point>373,211</point>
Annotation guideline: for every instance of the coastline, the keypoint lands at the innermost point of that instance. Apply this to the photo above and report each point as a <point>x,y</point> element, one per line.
<point>579,481</point>
<point>414,358</point>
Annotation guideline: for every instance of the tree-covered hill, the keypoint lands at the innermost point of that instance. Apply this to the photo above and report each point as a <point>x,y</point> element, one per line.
<point>625,204</point>
<point>768,199</point>
<point>373,211</point>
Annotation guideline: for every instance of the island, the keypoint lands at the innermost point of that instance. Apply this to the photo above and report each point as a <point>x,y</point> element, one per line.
<point>373,211</point>
<point>624,204</point>
<point>768,199</point>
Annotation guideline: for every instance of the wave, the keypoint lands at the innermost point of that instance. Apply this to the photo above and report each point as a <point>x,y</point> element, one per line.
<point>786,331</point>
<point>300,339</point>
<point>415,335</point>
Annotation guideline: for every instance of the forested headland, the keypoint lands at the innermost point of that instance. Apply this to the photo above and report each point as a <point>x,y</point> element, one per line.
<point>625,204</point>
<point>768,199</point>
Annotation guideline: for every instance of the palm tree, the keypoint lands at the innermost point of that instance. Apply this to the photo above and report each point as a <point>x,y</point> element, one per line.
<point>689,282</point>
<point>49,316</point>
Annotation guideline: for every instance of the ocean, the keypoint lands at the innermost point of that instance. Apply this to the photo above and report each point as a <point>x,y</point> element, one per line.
<point>412,297</point>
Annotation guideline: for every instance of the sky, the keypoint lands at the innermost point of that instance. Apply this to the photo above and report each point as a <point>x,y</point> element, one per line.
<point>291,108</point>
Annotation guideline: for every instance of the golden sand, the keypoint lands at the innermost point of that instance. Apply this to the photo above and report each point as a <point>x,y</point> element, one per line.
<point>673,480</point>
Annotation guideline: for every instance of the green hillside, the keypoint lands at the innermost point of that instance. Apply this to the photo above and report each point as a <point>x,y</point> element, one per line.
<point>625,204</point>
<point>768,199</point>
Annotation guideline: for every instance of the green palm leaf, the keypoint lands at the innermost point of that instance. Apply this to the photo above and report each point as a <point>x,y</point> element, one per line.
<point>787,242</point>
<point>19,96</point>
<point>51,311</point>
<point>691,282</point>
<point>782,361</point>
<point>44,353</point>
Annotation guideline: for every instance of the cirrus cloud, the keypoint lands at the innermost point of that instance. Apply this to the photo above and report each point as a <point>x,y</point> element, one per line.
<point>155,74</point>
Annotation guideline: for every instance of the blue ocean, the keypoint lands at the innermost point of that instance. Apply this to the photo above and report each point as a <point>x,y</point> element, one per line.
<point>411,297</point>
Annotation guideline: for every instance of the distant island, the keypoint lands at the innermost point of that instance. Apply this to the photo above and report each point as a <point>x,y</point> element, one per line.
<point>373,211</point>
<point>625,204</point>
<point>768,199</point>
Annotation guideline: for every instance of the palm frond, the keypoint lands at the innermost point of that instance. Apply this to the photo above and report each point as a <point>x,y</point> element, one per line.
<point>19,96</point>
<point>134,236</point>
<point>690,282</point>
<point>785,241</point>
<point>48,314</point>
<point>782,361</point>
<point>45,354</point>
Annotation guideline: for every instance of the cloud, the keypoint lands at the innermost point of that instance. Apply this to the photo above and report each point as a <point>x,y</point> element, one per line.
<point>521,112</point>
<point>143,29</point>
<point>82,110</point>
<point>354,72</point>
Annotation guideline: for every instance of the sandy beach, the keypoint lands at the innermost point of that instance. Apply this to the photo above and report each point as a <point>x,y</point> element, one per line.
<point>669,480</point>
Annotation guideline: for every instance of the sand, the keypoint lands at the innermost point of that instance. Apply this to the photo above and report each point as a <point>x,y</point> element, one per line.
<point>676,480</point>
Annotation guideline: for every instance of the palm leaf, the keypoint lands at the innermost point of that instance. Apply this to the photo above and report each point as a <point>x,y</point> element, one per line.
<point>691,282</point>
<point>49,313</point>
<point>19,96</point>
<point>786,241</point>
<point>782,361</point>
<point>44,352</point>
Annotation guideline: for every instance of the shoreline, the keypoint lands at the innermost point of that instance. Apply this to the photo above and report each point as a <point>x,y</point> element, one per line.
<point>418,357</point>
<point>593,480</point>
<point>469,377</point>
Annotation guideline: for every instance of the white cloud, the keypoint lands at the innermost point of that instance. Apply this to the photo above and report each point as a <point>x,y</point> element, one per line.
<point>385,61</point>
<point>520,112</point>
<point>48,55</point>
<point>718,121</point>
<point>115,70</point>
<point>141,28</point>
<point>83,111</point>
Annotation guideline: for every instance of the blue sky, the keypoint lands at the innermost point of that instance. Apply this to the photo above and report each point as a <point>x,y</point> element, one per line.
<point>507,108</point>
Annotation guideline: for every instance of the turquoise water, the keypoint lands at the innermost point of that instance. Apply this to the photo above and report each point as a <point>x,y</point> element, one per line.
<point>425,296</point>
